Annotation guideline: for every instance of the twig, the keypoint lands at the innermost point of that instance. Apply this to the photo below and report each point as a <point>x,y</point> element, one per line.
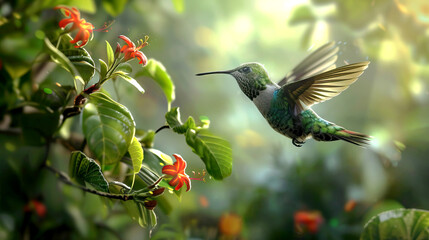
<point>46,154</point>
<point>82,146</point>
<point>163,127</point>
<point>64,178</point>
<point>11,131</point>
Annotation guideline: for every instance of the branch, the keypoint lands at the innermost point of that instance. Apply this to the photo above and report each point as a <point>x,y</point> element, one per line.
<point>163,127</point>
<point>11,131</point>
<point>65,179</point>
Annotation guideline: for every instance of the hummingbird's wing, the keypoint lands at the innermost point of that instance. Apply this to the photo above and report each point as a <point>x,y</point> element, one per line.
<point>323,86</point>
<point>323,59</point>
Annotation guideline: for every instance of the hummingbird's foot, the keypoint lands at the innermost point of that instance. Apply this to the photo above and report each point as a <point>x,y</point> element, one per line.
<point>297,143</point>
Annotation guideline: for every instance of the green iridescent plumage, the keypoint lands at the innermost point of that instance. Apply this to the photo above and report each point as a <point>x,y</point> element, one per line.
<point>286,105</point>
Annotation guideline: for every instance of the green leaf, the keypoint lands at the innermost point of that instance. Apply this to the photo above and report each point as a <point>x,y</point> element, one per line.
<point>114,7</point>
<point>145,138</point>
<point>179,5</point>
<point>190,123</point>
<point>108,127</point>
<point>59,97</point>
<point>137,211</point>
<point>215,152</point>
<point>302,14</point>
<point>18,51</point>
<point>110,55</point>
<point>136,152</point>
<point>383,206</point>
<point>125,67</point>
<point>398,224</point>
<point>169,231</point>
<point>166,159</point>
<point>157,72</point>
<point>103,69</point>
<point>78,56</point>
<point>63,61</point>
<point>155,160</point>
<point>82,61</point>
<point>129,79</point>
<point>37,127</point>
<point>146,174</point>
<point>83,5</point>
<point>205,122</point>
<point>173,120</point>
<point>84,169</point>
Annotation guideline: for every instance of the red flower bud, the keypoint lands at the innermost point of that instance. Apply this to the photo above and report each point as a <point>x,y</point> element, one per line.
<point>158,192</point>
<point>150,205</point>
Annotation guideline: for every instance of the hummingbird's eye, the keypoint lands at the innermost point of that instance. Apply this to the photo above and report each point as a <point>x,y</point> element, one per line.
<point>246,70</point>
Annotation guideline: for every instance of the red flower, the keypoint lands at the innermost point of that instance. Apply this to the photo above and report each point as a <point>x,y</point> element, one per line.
<point>177,171</point>
<point>85,28</point>
<point>131,51</point>
<point>310,220</point>
<point>37,206</point>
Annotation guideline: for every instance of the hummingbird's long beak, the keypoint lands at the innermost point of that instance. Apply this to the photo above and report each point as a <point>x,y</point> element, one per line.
<point>215,72</point>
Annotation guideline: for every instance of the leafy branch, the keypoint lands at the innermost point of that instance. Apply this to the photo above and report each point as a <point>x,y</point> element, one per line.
<point>65,179</point>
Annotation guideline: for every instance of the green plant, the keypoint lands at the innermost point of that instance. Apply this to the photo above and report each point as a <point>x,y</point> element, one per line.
<point>115,159</point>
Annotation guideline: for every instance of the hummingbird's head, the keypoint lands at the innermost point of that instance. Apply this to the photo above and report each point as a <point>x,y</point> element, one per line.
<point>251,77</point>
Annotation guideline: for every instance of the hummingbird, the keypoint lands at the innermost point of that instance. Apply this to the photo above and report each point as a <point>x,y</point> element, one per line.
<point>286,105</point>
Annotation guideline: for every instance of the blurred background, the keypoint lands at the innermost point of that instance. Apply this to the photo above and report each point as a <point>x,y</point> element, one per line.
<point>276,191</point>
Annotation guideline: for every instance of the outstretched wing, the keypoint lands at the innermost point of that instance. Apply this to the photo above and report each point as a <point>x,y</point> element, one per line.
<point>323,86</point>
<point>323,59</point>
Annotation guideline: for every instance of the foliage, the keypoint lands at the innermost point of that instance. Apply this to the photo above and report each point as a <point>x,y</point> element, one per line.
<point>398,224</point>
<point>110,134</point>
<point>84,169</point>
<point>55,183</point>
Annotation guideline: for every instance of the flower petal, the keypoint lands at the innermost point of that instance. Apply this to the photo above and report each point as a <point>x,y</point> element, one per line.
<point>77,38</point>
<point>141,57</point>
<point>179,185</point>
<point>84,39</point>
<point>75,13</point>
<point>180,163</point>
<point>169,170</point>
<point>63,23</point>
<point>128,41</point>
<point>188,182</point>
<point>174,181</point>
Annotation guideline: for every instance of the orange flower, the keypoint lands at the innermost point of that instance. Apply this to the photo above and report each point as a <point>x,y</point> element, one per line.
<point>350,205</point>
<point>230,224</point>
<point>131,51</point>
<point>85,29</point>
<point>177,171</point>
<point>310,220</point>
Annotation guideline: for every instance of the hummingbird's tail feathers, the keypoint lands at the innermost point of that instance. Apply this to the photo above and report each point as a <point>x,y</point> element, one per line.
<point>321,60</point>
<point>354,137</point>
<point>341,134</point>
